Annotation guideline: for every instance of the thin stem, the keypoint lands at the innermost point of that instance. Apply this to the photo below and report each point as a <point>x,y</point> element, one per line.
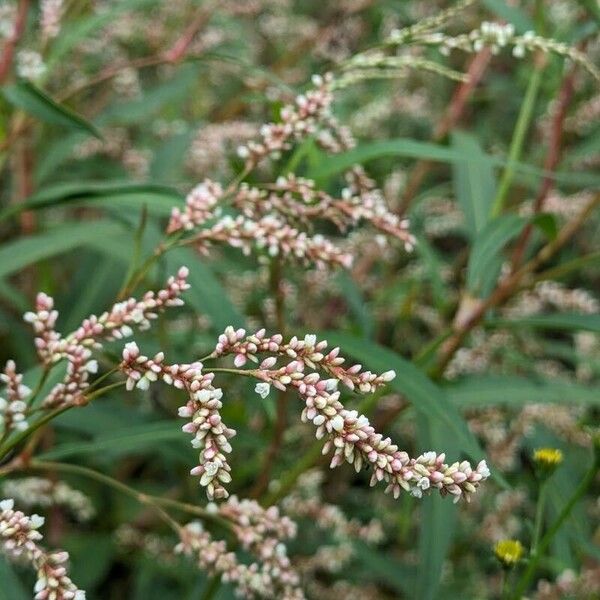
<point>109,481</point>
<point>452,116</point>
<point>8,50</point>
<point>4,450</point>
<point>527,576</point>
<point>139,275</point>
<point>243,372</point>
<point>508,286</point>
<point>505,585</point>
<point>194,510</point>
<point>516,144</point>
<point>40,385</point>
<point>211,588</point>
<point>553,155</point>
<point>539,516</point>
<point>262,481</point>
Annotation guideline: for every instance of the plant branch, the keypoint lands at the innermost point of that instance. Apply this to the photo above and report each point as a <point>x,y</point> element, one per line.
<point>9,47</point>
<point>508,286</point>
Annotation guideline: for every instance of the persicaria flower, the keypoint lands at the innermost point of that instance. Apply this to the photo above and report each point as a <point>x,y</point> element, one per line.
<point>210,435</point>
<point>19,537</point>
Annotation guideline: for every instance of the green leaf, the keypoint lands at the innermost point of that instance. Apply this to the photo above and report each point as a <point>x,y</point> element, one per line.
<point>132,440</point>
<point>337,163</point>
<point>11,588</point>
<point>356,303</point>
<point>36,102</point>
<point>85,572</point>
<point>557,321</point>
<point>382,567</point>
<point>25,251</point>
<point>474,392</point>
<point>158,198</point>
<point>438,517</point>
<point>547,223</point>
<point>486,256</point>
<point>206,294</point>
<point>474,181</point>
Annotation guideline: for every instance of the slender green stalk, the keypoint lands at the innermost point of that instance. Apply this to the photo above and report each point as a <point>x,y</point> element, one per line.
<point>109,481</point>
<point>539,516</point>
<point>516,144</point>
<point>22,435</point>
<point>211,588</point>
<point>545,542</point>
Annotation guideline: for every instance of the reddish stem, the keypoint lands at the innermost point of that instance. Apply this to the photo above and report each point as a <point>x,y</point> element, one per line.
<point>9,47</point>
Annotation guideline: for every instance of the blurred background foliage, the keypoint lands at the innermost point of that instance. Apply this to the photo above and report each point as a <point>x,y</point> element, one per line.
<point>127,123</point>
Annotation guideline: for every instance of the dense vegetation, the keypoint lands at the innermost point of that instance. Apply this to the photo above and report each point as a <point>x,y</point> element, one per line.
<point>263,220</point>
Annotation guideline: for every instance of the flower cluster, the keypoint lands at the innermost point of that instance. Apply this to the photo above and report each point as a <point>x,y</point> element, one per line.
<point>310,114</point>
<point>13,408</point>
<point>305,503</point>
<point>298,199</point>
<point>200,204</point>
<point>19,537</point>
<point>211,435</point>
<point>50,16</point>
<point>77,347</point>
<point>37,491</point>
<point>262,533</point>
<point>349,434</point>
<point>276,237</point>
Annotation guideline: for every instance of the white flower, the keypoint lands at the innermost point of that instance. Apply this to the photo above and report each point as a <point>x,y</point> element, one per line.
<point>337,423</point>
<point>262,389</point>
<point>483,469</point>
<point>310,339</point>
<point>7,504</point>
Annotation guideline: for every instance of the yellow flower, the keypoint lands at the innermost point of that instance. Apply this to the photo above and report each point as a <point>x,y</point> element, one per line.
<point>509,552</point>
<point>548,458</point>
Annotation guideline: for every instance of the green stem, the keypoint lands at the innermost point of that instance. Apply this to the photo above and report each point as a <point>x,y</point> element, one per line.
<point>211,588</point>
<point>539,517</point>
<point>109,481</point>
<point>516,144</point>
<point>545,542</point>
<point>22,435</point>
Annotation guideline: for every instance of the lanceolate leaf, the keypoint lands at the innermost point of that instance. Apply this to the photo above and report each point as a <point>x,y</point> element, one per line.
<point>486,256</point>
<point>474,182</point>
<point>557,321</point>
<point>37,103</point>
<point>476,392</point>
<point>158,198</point>
<point>28,250</point>
<point>438,517</point>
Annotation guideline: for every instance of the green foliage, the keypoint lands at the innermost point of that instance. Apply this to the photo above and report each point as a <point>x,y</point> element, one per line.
<point>140,101</point>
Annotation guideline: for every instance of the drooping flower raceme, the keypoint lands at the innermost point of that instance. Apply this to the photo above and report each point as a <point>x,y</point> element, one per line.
<point>346,432</point>
<point>117,323</point>
<point>280,219</point>
<point>19,537</point>
<point>38,491</point>
<point>262,533</point>
<point>211,435</point>
<point>13,408</point>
